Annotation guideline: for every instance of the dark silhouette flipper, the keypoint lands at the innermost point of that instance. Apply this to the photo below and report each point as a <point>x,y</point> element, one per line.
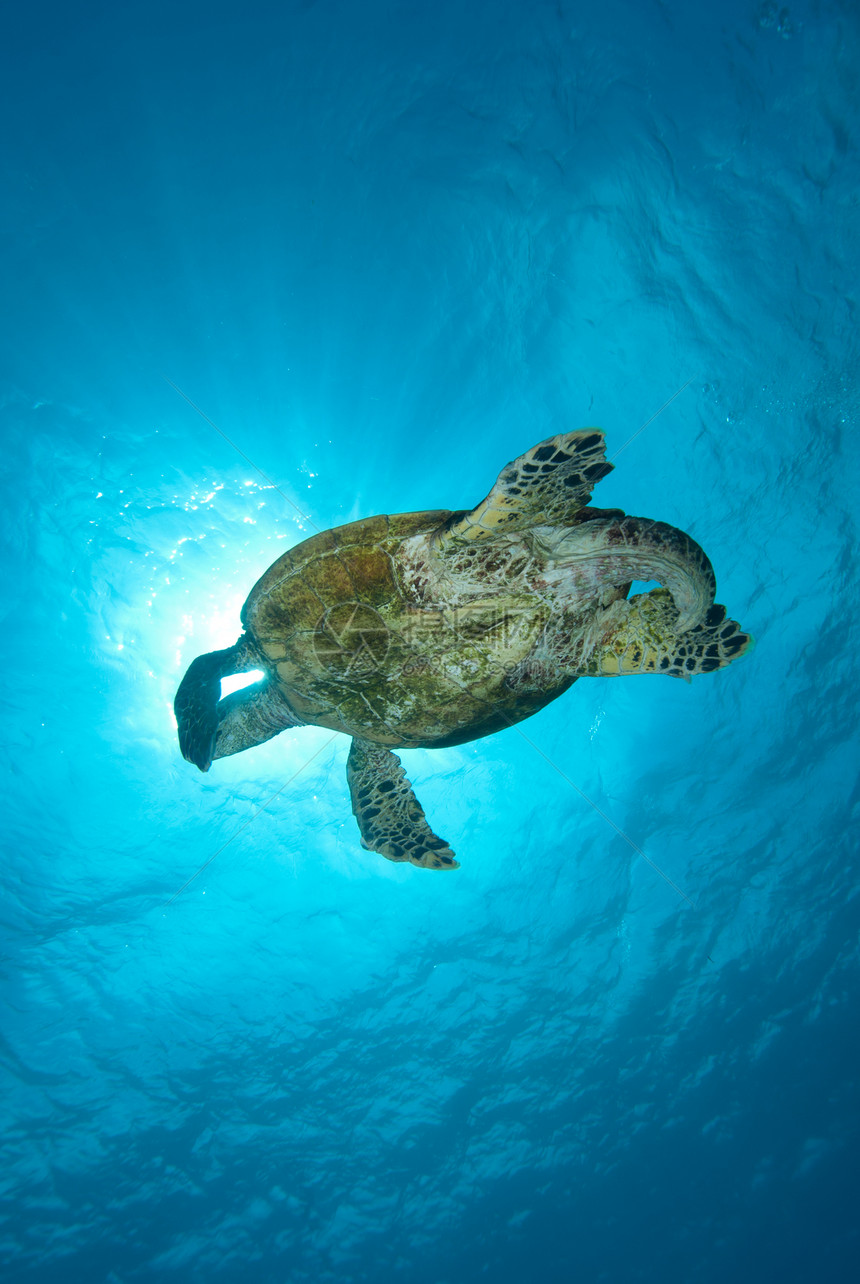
<point>196,704</point>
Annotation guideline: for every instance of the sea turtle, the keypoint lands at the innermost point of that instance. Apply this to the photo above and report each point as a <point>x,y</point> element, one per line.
<point>432,629</point>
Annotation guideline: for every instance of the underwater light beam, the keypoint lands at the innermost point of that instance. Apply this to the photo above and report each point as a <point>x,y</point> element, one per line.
<point>247,458</point>
<point>251,819</point>
<point>651,419</point>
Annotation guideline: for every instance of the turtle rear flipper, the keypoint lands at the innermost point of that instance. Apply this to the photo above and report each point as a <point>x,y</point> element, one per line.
<point>645,640</point>
<point>390,817</point>
<point>197,700</point>
<point>547,486</point>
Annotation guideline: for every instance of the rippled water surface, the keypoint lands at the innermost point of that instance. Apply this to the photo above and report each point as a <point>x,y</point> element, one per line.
<point>384,248</point>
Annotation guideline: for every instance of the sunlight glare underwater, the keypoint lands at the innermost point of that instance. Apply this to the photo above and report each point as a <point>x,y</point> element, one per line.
<point>385,249</point>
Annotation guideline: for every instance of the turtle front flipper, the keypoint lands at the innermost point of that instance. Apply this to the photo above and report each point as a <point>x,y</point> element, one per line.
<point>547,486</point>
<point>196,702</point>
<point>390,817</point>
<point>644,639</point>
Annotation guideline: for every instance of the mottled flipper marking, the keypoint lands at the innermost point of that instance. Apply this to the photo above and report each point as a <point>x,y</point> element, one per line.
<point>547,486</point>
<point>390,817</point>
<point>644,639</point>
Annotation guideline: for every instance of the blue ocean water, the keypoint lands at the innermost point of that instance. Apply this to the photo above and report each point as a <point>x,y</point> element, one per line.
<point>385,248</point>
